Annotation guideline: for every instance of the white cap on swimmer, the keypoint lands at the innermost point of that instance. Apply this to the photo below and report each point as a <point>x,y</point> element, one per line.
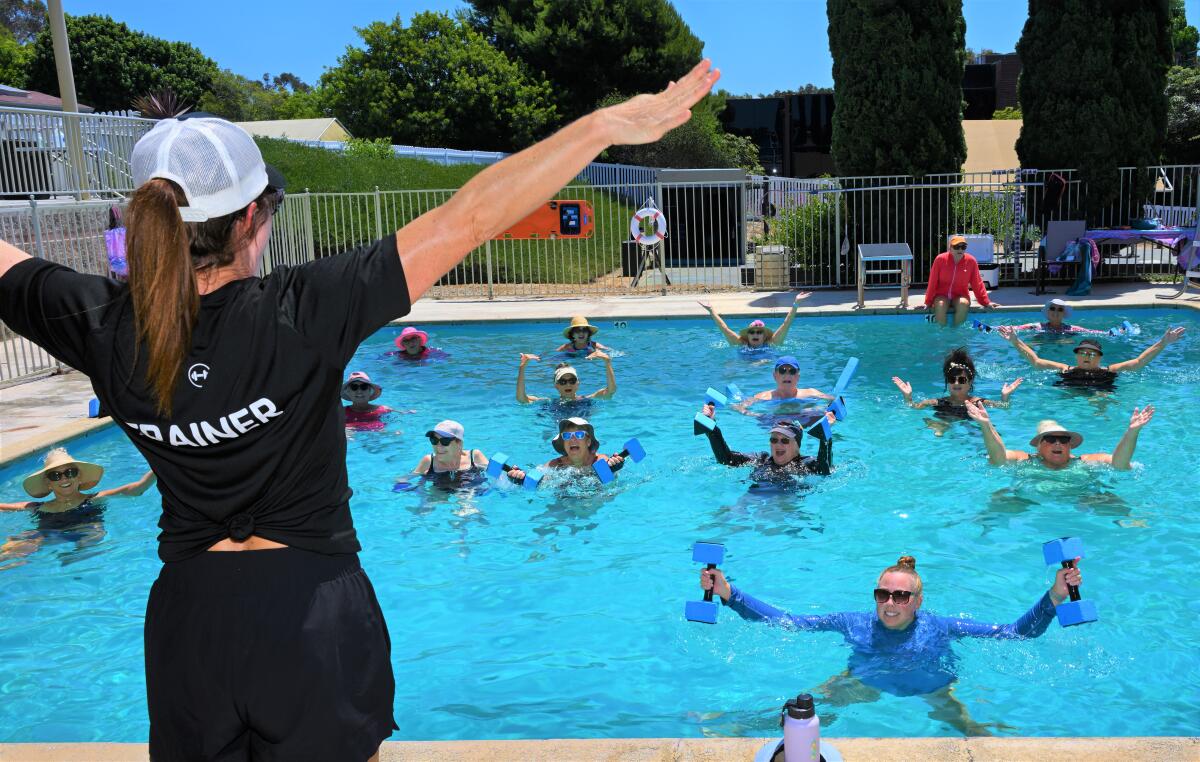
<point>214,162</point>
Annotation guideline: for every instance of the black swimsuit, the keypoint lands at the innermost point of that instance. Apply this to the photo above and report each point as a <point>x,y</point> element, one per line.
<point>70,525</point>
<point>945,408</point>
<point>766,471</point>
<point>455,479</point>
<point>1088,378</point>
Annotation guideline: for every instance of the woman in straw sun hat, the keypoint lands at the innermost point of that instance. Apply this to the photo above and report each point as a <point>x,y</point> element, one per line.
<point>1053,444</point>
<point>228,384</point>
<point>579,337</point>
<point>70,508</point>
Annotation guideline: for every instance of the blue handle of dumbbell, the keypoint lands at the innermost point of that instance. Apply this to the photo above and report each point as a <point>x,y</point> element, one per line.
<point>1072,590</point>
<point>844,379</point>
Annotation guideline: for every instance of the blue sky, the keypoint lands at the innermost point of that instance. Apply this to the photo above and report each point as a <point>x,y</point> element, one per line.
<point>760,45</point>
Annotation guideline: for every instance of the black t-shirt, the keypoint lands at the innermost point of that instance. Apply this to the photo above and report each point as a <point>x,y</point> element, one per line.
<point>256,442</point>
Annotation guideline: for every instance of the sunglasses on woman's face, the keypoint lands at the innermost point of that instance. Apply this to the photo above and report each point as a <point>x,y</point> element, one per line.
<point>358,386</point>
<point>1056,439</point>
<point>786,370</point>
<point>581,332</point>
<point>899,597</point>
<point>568,435</point>
<point>67,473</point>
<point>756,333</point>
<point>1056,309</point>
<point>960,379</point>
<point>961,247</point>
<point>443,441</point>
<point>567,381</point>
<point>1087,353</point>
<point>780,441</point>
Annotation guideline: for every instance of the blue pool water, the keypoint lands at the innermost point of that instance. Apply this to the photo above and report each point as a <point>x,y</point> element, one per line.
<point>559,613</point>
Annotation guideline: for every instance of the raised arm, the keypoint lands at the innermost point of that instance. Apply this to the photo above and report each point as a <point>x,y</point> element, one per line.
<point>906,389</point>
<point>1007,390</point>
<point>1027,352</point>
<point>997,454</point>
<point>610,378</point>
<point>133,489</point>
<point>509,190</point>
<point>720,448</point>
<point>1032,623</point>
<point>9,256</point>
<point>17,506</point>
<point>1170,337</point>
<point>726,331</point>
<point>1122,454</point>
<point>779,336</point>
<point>522,397</point>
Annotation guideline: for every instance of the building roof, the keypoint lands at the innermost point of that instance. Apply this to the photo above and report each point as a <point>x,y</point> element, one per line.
<point>991,144</point>
<point>297,129</point>
<point>18,98</point>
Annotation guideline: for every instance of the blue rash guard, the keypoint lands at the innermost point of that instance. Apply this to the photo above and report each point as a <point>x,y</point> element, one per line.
<point>908,662</point>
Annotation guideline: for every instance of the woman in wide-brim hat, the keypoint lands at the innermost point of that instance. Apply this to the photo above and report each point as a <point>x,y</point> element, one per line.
<point>577,447</point>
<point>413,344</point>
<point>579,336</point>
<point>757,335</point>
<point>1055,313</point>
<point>1053,444</point>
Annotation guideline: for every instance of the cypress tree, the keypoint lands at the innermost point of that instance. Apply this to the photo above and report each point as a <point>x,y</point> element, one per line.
<point>897,72</point>
<point>1093,90</point>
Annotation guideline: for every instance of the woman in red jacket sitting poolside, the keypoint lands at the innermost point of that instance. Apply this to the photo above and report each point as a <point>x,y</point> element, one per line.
<point>952,274</point>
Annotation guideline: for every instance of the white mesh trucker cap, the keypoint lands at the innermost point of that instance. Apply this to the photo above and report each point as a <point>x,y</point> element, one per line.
<point>214,162</point>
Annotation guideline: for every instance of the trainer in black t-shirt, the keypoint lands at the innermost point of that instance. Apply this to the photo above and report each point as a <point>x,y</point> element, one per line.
<point>256,442</point>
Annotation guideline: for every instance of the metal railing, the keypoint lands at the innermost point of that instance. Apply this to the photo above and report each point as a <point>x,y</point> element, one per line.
<point>719,237</point>
<point>36,160</point>
<point>68,232</point>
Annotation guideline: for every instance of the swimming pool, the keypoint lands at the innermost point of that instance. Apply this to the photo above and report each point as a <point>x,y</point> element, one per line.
<point>559,613</point>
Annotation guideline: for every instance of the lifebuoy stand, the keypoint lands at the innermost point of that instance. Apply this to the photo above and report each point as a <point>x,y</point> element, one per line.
<point>561,218</point>
<point>649,242</point>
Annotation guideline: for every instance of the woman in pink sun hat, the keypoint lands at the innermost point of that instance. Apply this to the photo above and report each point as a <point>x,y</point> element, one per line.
<point>757,335</point>
<point>413,344</point>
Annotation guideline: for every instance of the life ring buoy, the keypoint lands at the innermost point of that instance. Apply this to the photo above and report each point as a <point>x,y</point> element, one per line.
<point>642,237</point>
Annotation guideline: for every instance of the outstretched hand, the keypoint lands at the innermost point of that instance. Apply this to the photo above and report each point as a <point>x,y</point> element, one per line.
<point>1007,332</point>
<point>1008,389</point>
<point>801,297</point>
<point>705,305</point>
<point>1141,417</point>
<point>904,387</point>
<point>1173,335</point>
<point>978,412</point>
<point>527,357</point>
<point>597,355</point>
<point>646,118</point>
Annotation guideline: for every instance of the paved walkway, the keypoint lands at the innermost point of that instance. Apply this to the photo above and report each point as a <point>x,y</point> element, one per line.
<point>35,414</point>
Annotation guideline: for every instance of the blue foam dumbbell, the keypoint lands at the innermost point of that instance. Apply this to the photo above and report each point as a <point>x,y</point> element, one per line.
<point>1064,551</point>
<point>498,465</point>
<point>838,406</point>
<point>702,421</point>
<point>712,554</point>
<point>631,451</point>
<point>93,408</point>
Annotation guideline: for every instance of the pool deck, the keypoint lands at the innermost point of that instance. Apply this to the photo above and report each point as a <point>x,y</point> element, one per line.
<point>38,414</point>
<point>702,750</point>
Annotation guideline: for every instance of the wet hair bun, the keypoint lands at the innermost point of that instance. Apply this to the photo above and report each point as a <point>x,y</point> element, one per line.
<point>907,562</point>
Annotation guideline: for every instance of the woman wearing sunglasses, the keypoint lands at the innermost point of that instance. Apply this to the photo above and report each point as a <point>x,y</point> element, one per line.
<point>579,337</point>
<point>71,514</point>
<point>228,382</point>
<point>779,465</point>
<point>577,448</point>
<point>958,370</point>
<point>788,397</point>
<point>1056,312</point>
<point>897,648</point>
<point>1053,444</point>
<point>757,335</point>
<point>449,465</point>
<point>1087,370</point>
<point>362,414</point>
<point>566,381</point>
<point>952,276</point>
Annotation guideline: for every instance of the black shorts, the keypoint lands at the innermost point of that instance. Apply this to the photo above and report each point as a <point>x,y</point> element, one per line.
<point>267,655</point>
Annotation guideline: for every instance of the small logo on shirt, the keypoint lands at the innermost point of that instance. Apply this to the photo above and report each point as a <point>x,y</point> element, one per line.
<point>198,374</point>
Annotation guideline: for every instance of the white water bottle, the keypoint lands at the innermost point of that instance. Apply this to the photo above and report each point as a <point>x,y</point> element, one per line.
<point>801,730</point>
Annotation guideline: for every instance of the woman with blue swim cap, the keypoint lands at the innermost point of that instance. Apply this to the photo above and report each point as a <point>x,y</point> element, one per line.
<point>897,648</point>
<point>787,390</point>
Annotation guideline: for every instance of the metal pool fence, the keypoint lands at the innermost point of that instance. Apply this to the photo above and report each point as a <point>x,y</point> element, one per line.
<point>761,233</point>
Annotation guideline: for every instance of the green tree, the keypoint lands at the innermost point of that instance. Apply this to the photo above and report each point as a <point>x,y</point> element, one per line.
<point>1093,89</point>
<point>897,70</point>
<point>14,59</point>
<point>436,82</point>
<point>240,99</point>
<point>699,142</point>
<point>1184,36</point>
<point>590,48</point>
<point>23,18</point>
<point>114,64</point>
<point>1009,112</point>
<point>1183,116</point>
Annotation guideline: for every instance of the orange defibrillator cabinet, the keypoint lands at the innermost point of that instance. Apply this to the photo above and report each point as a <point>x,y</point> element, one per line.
<point>553,219</point>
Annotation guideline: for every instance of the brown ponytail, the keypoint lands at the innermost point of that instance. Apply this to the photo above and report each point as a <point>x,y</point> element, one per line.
<point>163,254</point>
<point>907,565</point>
<point>162,284</point>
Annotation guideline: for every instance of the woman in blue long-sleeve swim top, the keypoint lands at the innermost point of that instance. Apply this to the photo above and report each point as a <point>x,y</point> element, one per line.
<point>897,648</point>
